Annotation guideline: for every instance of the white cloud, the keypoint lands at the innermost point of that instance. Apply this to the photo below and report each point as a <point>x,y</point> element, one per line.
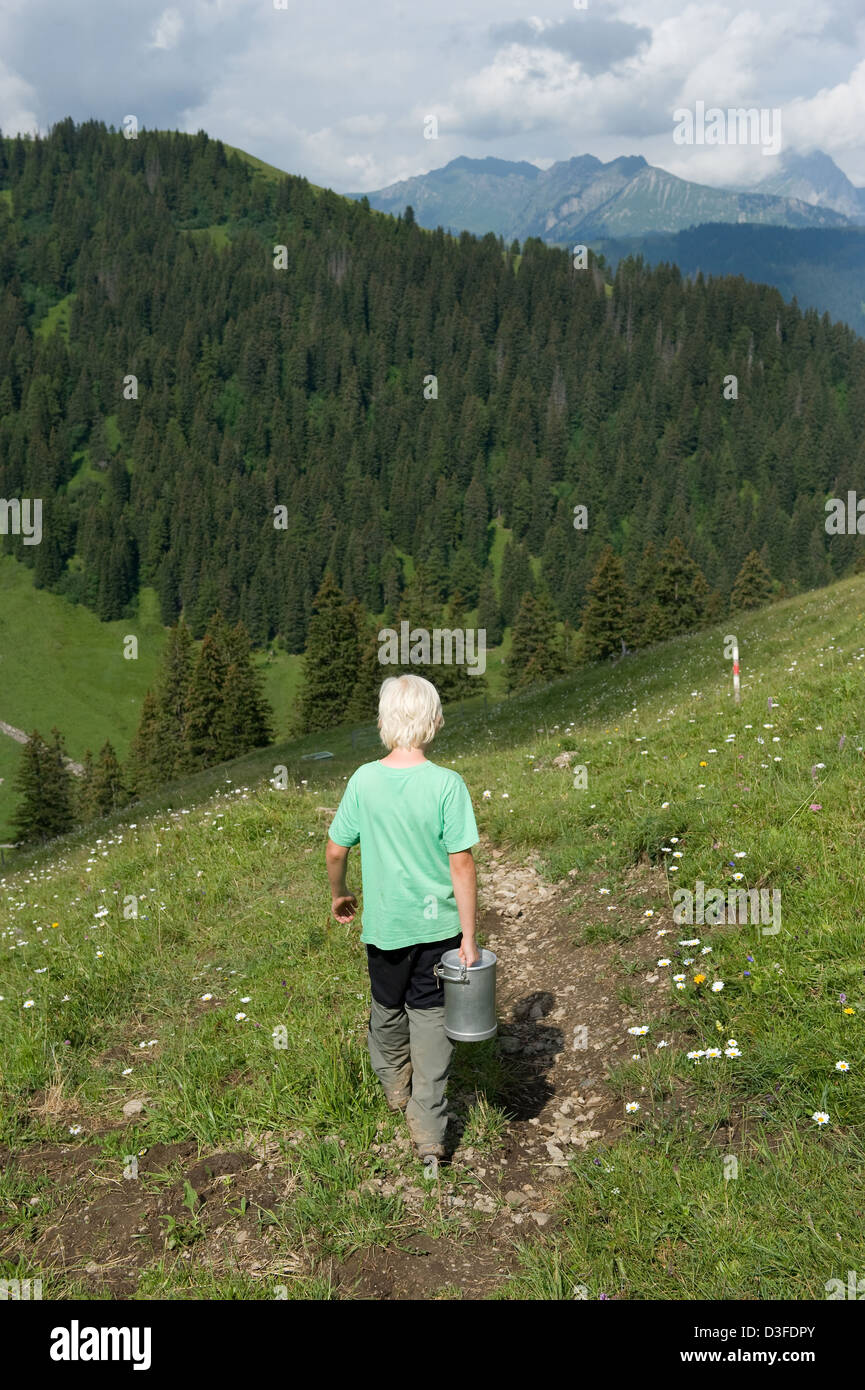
<point>167,30</point>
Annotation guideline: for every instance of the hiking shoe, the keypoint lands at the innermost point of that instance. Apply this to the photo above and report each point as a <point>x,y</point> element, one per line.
<point>427,1149</point>
<point>397,1100</point>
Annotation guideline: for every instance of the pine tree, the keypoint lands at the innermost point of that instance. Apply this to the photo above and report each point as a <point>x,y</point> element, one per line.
<point>753,586</point>
<point>108,791</point>
<point>145,754</point>
<point>607,615</point>
<point>489,613</point>
<point>363,700</point>
<point>204,730</point>
<point>84,791</point>
<point>244,719</point>
<point>536,649</point>
<point>522,643</point>
<point>331,660</point>
<point>516,579</point>
<point>171,747</point>
<point>680,594</point>
<point>44,783</point>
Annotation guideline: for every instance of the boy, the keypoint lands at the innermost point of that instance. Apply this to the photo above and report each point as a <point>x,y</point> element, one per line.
<point>416,828</point>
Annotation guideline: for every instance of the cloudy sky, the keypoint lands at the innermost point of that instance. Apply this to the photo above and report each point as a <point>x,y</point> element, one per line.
<point>339,91</point>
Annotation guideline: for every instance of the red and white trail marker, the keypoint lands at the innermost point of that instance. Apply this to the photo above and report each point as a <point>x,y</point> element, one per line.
<point>736,690</point>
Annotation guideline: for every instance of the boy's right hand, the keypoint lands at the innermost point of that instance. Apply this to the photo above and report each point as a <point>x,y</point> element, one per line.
<point>468,952</point>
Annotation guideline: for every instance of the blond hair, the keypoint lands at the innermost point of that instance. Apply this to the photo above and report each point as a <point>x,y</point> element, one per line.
<point>409,712</point>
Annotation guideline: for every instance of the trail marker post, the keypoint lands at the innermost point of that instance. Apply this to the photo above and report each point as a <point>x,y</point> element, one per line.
<point>731,650</point>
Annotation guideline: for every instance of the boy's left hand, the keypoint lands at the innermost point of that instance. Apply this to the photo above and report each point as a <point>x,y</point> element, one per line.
<point>344,908</point>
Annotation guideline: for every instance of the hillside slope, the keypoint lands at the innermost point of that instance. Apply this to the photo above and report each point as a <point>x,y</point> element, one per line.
<point>176,1007</point>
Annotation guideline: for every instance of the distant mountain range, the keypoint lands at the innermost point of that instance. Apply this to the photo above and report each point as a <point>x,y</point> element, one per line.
<point>815,179</point>
<point>802,228</point>
<point>626,197</point>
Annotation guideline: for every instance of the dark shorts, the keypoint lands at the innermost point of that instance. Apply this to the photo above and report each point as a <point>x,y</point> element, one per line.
<point>405,976</point>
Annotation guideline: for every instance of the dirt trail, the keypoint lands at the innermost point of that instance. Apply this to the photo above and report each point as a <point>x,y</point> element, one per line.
<point>20,737</point>
<point>561,1028</point>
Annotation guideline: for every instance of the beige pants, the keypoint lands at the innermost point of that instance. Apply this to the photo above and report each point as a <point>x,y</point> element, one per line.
<point>410,1047</point>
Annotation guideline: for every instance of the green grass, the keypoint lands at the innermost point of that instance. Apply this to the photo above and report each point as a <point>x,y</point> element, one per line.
<point>57,317</point>
<point>74,673</point>
<point>230,879</point>
<point>218,234</point>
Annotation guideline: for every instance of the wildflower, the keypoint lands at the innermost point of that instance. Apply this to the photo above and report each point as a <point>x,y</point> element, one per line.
<point>842,1066</point>
<point>677,978</point>
<point>487,796</point>
<point>738,877</point>
<point>664,961</point>
<point>638,1032</point>
<point>127,1071</point>
<point>713,1051</point>
<point>649,912</point>
<point>694,1056</point>
<point>680,985</point>
<point>703,764</point>
<point>631,1106</point>
<point>731,1042</point>
<point>717,986</point>
<point>206,997</point>
<point>821,1117</point>
<point>699,979</point>
<point>246,998</point>
<point>662,1043</point>
<point>75,1129</point>
<point>239,1018</point>
<point>732,1052</point>
<point>603,890</point>
<point>693,941</point>
<point>29,1003</point>
<point>815,806</point>
<point>848,1010</point>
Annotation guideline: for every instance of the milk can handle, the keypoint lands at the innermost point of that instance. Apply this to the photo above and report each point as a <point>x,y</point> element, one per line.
<point>439,971</point>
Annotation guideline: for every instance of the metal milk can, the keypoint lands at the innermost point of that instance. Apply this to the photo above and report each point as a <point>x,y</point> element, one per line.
<point>470,996</point>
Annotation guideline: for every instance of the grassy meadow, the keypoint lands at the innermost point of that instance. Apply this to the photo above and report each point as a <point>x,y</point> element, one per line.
<point>184,954</point>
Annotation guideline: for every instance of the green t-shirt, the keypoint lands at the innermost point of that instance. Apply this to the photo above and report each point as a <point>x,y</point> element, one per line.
<point>408,820</point>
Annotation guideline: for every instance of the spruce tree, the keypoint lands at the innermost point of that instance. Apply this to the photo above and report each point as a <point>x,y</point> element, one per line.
<point>536,649</point>
<point>145,753</point>
<point>516,579</point>
<point>171,748</point>
<point>108,791</point>
<point>607,615</point>
<point>204,732</point>
<point>753,586</point>
<point>489,612</point>
<point>680,593</point>
<point>331,660</point>
<point>245,718</point>
<point>44,783</point>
